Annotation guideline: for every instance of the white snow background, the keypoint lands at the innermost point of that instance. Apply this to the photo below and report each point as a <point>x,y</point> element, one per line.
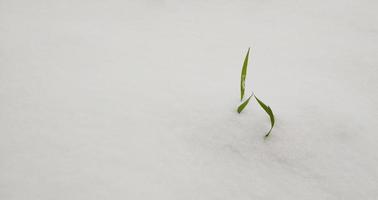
<point>137,100</point>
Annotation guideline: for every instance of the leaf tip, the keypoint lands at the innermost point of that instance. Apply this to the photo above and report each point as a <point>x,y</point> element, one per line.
<point>267,135</point>
<point>244,104</point>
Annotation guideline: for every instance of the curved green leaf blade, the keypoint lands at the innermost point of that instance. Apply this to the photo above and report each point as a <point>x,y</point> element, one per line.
<point>244,104</point>
<point>244,75</point>
<point>269,111</point>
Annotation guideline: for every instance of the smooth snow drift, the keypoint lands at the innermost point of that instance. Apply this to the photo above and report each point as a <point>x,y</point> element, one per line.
<point>137,100</point>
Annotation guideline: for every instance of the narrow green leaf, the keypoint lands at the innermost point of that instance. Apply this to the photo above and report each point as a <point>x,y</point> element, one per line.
<point>244,104</point>
<point>243,75</point>
<point>269,111</point>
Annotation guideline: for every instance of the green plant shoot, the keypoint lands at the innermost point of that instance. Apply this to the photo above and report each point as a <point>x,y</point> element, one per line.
<point>269,111</point>
<point>244,104</point>
<point>243,75</point>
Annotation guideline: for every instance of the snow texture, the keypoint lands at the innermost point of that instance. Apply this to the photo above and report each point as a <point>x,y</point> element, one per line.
<point>136,99</point>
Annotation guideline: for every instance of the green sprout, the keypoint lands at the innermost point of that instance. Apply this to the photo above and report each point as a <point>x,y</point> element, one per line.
<point>244,104</point>
<point>269,111</point>
<point>241,107</point>
<point>243,75</point>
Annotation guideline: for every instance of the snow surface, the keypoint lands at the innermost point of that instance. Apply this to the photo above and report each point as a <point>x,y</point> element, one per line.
<point>137,99</point>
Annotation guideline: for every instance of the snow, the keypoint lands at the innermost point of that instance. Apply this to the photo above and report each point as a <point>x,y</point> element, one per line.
<point>137,99</point>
